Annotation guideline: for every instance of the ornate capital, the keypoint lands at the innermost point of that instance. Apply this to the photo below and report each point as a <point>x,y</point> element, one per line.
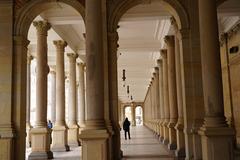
<point>42,27</point>
<point>72,56</point>
<point>163,53</point>
<point>159,62</point>
<point>60,44</point>
<point>169,40</point>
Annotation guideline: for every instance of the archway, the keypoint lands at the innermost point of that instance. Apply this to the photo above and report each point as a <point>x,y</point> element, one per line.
<point>182,18</point>
<point>128,113</point>
<point>24,18</point>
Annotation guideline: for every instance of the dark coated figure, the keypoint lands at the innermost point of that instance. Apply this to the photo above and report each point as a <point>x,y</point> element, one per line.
<point>126,128</point>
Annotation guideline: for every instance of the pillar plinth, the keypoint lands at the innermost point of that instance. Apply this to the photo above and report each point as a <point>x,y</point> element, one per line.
<point>81,96</point>
<point>40,134</point>
<point>94,136</point>
<point>59,131</point>
<point>216,135</point>
<point>165,97</point>
<point>28,108</point>
<point>73,128</point>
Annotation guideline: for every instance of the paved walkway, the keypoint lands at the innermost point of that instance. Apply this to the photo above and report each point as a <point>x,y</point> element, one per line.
<point>143,146</point>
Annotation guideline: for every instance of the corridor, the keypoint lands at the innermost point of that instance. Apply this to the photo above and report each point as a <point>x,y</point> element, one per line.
<point>143,146</point>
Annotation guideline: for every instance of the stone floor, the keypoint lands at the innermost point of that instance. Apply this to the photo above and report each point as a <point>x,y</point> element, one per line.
<point>143,145</point>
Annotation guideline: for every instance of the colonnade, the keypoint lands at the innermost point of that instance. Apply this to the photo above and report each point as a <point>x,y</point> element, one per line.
<point>163,101</point>
<point>42,139</point>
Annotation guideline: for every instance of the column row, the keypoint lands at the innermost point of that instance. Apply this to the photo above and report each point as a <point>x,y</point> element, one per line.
<point>63,135</point>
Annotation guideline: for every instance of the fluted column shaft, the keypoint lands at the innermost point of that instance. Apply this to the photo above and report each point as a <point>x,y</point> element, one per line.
<point>165,95</point>
<point>81,95</point>
<point>60,82</point>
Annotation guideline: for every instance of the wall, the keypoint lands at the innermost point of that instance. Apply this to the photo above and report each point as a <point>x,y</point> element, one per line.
<point>231,79</point>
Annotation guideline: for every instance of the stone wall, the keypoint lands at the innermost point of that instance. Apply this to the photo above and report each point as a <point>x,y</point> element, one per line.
<point>231,78</point>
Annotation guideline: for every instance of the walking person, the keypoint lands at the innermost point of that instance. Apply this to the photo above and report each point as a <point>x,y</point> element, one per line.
<point>126,128</point>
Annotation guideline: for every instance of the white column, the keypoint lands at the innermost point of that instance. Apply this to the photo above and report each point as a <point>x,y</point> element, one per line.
<point>40,134</point>
<point>28,111</point>
<point>216,135</point>
<point>59,134</point>
<point>81,96</point>
<point>73,130</point>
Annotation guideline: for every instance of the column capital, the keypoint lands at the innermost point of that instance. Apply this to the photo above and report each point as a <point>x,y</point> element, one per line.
<point>81,64</point>
<point>159,62</point>
<point>169,40</point>
<point>163,53</point>
<point>29,59</point>
<point>156,70</point>
<point>60,44</point>
<point>42,27</point>
<point>72,56</point>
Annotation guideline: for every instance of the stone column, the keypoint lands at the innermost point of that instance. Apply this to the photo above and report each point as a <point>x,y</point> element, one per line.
<point>216,135</point>
<point>59,133</point>
<point>40,134</point>
<point>161,98</point>
<point>53,95</point>
<point>28,111</point>
<point>169,40</point>
<point>158,116</point>
<point>73,128</point>
<point>95,135</point>
<point>133,114</point>
<point>81,96</point>
<point>180,151</point>
<point>165,96</point>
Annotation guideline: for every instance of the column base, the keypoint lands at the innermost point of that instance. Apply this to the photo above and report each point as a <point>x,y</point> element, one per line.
<point>59,139</point>
<point>6,148</point>
<point>166,134</point>
<point>172,136</point>
<point>94,144</point>
<point>40,155</point>
<point>73,136</point>
<point>217,143</point>
<point>40,138</point>
<point>180,153</point>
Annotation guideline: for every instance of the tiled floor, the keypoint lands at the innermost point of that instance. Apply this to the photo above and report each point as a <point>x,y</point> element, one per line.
<point>143,146</point>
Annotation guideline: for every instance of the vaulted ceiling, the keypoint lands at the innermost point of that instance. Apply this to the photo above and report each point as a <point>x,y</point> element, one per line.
<point>141,33</point>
